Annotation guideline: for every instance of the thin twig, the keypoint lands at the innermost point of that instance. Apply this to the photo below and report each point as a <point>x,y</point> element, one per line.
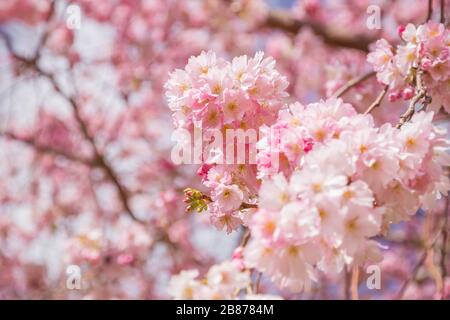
<point>378,100</point>
<point>354,283</point>
<point>257,282</point>
<point>420,93</point>
<point>245,238</point>
<point>444,244</point>
<point>245,205</point>
<point>347,284</point>
<point>350,84</point>
<point>416,268</point>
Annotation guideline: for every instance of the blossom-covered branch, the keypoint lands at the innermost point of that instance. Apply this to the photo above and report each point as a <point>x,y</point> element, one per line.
<point>313,215</point>
<point>289,140</point>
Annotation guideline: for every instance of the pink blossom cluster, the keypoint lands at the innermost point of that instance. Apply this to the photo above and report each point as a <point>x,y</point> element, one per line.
<point>355,181</point>
<point>424,49</point>
<point>222,281</point>
<point>296,58</point>
<point>295,133</point>
<point>28,11</point>
<point>86,176</point>
<point>213,93</point>
<point>338,182</point>
<point>231,186</point>
<point>121,246</point>
<point>51,164</point>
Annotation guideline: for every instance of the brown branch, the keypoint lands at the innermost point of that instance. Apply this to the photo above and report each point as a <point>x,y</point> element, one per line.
<point>347,284</point>
<point>245,205</point>
<point>416,268</point>
<point>442,18</point>
<point>48,149</point>
<point>378,100</point>
<point>282,19</point>
<point>420,94</point>
<point>245,238</point>
<point>257,282</point>
<point>430,10</point>
<point>353,82</point>
<point>100,160</point>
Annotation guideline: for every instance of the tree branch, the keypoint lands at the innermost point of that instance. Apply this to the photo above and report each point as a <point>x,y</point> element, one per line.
<point>442,18</point>
<point>99,159</point>
<point>245,238</point>
<point>353,82</point>
<point>347,284</point>
<point>416,268</point>
<point>257,282</point>
<point>282,19</point>
<point>48,149</point>
<point>430,10</point>
<point>377,101</point>
<point>420,93</point>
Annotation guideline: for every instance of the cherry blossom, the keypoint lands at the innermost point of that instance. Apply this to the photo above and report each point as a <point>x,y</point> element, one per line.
<point>324,149</point>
